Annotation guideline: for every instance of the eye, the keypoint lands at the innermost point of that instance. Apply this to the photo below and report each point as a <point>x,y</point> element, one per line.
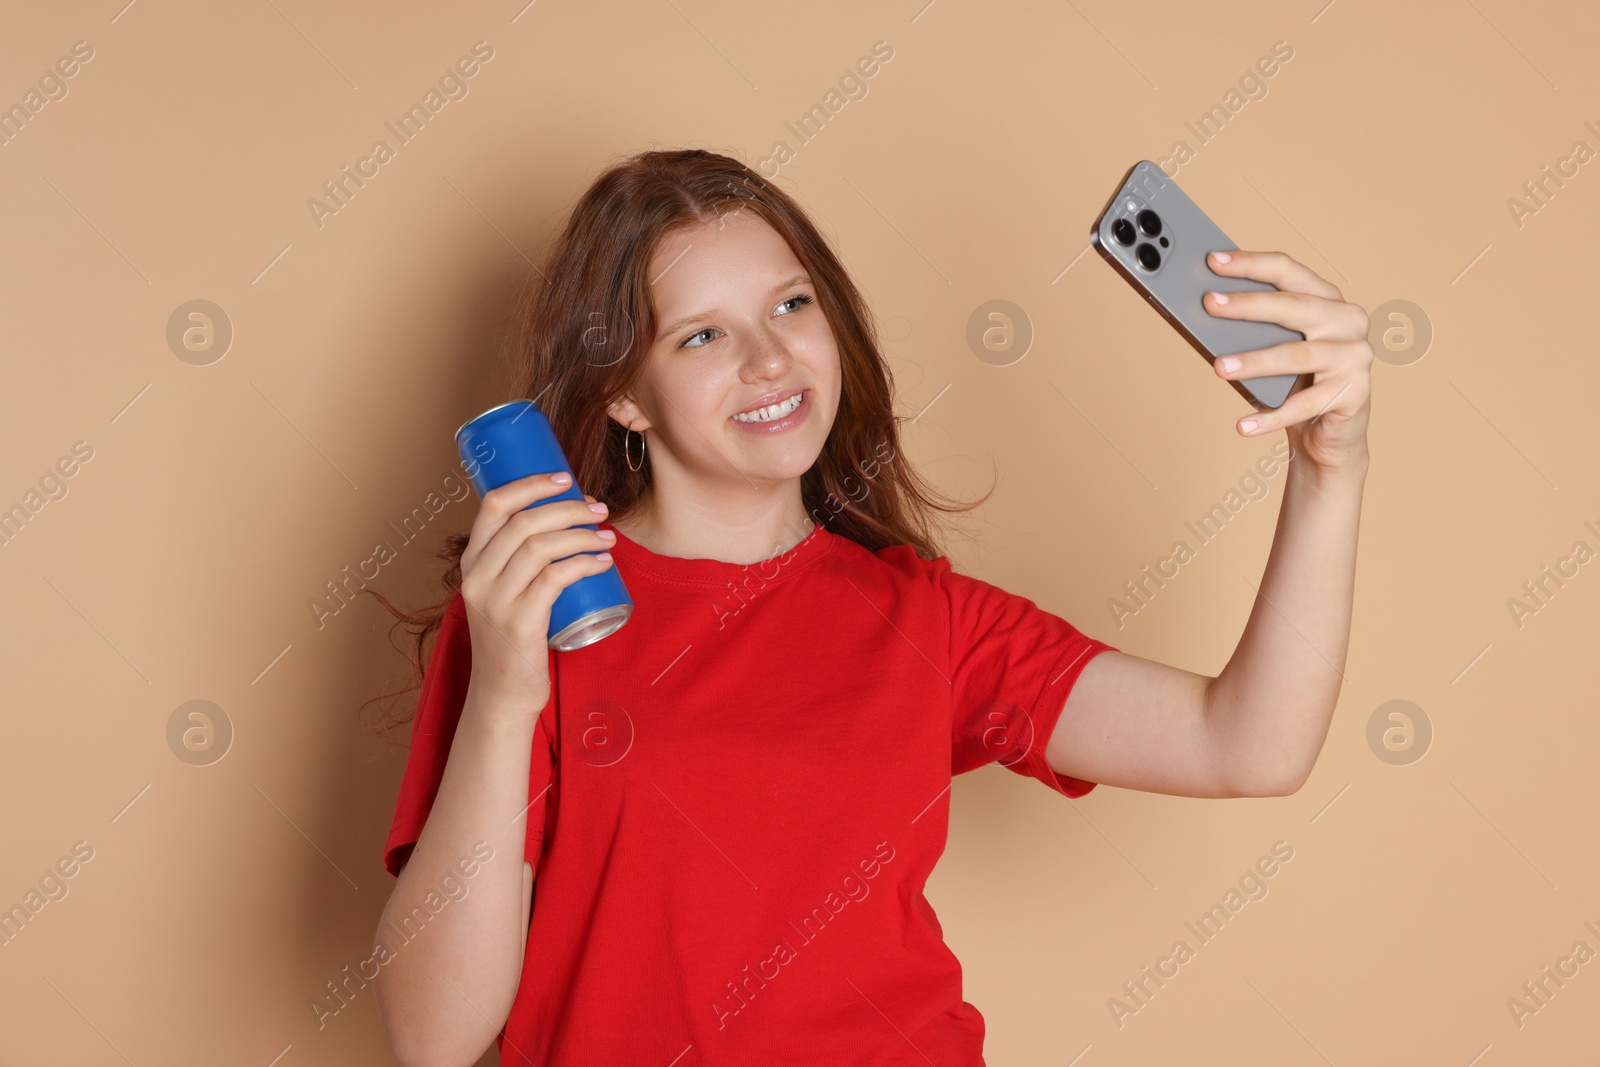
<point>697,333</point>
<point>799,300</point>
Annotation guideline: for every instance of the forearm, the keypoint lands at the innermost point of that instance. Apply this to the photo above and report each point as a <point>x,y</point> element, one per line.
<point>476,942</point>
<point>1268,710</point>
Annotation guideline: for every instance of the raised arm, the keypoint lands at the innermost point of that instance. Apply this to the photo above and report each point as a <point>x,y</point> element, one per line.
<point>1256,728</point>
<point>444,996</point>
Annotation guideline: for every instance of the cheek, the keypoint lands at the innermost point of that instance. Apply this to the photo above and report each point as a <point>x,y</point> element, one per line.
<point>820,354</point>
<point>694,394</point>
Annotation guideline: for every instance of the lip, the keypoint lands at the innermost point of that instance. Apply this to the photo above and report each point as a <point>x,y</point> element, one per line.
<point>801,412</point>
<point>770,399</point>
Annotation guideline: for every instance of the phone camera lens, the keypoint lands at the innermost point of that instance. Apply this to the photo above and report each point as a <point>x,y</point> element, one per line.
<point>1149,222</point>
<point>1122,230</point>
<point>1147,256</point>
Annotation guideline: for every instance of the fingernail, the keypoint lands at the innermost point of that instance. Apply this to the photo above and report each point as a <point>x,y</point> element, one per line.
<point>1221,298</point>
<point>598,508</point>
<point>1228,364</point>
<point>1223,257</point>
<point>562,478</point>
<point>603,556</point>
<point>1248,426</point>
<point>606,535</point>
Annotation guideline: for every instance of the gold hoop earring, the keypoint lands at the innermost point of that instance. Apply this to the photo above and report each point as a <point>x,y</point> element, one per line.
<point>626,457</point>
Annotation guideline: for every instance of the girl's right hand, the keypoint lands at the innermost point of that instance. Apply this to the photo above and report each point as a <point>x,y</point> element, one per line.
<point>512,570</point>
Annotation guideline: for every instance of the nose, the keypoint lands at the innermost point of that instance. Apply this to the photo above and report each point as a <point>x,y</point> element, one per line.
<point>767,357</point>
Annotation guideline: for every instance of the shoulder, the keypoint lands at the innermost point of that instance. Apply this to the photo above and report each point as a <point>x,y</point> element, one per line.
<point>457,607</point>
<point>896,575</point>
<point>451,639</point>
<point>897,564</point>
<point>901,569</point>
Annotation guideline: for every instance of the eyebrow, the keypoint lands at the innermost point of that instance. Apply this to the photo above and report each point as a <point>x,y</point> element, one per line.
<point>688,320</point>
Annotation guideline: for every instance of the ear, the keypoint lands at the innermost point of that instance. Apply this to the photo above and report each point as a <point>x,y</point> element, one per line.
<point>627,413</point>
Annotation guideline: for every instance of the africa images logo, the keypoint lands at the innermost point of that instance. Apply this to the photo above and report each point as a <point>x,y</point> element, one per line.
<point>810,927</point>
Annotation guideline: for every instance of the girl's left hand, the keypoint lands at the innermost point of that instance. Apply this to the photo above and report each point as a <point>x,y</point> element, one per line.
<point>1326,421</point>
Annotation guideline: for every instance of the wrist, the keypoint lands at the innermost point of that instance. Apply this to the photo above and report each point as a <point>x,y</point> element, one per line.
<point>502,703</point>
<point>1347,474</point>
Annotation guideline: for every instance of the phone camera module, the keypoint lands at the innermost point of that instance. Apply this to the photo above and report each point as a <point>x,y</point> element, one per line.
<point>1122,230</point>
<point>1147,256</point>
<point>1149,223</point>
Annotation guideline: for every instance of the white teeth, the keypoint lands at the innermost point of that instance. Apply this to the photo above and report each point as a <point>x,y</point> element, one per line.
<point>773,411</point>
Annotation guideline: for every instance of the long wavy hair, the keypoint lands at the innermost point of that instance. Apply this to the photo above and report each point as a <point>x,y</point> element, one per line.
<point>575,343</point>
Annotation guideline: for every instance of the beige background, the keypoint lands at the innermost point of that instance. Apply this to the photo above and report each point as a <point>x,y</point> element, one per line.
<point>221,497</point>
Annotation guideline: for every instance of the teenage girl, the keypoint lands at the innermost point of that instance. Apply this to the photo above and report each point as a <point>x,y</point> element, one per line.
<point>730,806</point>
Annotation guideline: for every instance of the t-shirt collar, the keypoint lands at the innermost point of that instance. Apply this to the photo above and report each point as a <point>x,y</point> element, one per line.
<point>633,557</point>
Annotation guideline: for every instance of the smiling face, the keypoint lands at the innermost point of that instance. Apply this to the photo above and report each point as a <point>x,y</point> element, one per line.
<point>739,336</point>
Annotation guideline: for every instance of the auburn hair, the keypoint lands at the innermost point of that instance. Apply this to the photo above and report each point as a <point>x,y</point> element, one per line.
<point>580,332</point>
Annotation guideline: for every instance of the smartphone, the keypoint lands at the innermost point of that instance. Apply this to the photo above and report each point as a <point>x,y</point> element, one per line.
<point>1158,239</point>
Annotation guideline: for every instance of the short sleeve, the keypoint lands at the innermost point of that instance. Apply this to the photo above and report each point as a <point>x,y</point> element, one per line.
<point>444,693</point>
<point>1012,665</point>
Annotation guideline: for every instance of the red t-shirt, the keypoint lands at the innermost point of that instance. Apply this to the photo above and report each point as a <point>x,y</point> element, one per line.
<point>737,799</point>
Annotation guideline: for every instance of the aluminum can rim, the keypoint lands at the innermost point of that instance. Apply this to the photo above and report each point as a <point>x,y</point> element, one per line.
<point>491,411</point>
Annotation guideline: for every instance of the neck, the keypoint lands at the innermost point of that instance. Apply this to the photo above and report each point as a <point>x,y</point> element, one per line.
<point>745,532</point>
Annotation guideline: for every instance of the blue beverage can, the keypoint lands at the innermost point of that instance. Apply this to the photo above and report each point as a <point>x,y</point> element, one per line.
<point>515,440</point>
